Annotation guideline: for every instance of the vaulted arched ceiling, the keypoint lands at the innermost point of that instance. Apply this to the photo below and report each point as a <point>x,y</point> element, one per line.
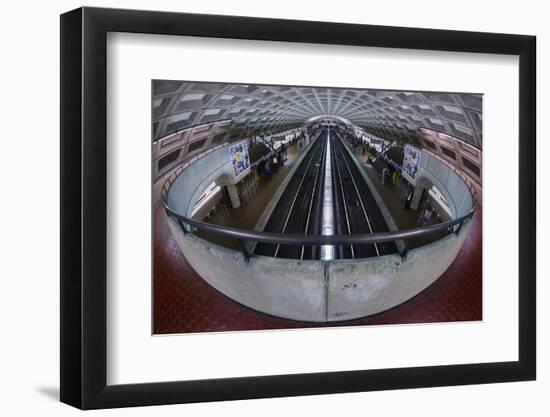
<point>178,105</point>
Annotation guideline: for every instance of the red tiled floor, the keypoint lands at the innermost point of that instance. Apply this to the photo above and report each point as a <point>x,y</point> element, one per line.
<point>184,303</point>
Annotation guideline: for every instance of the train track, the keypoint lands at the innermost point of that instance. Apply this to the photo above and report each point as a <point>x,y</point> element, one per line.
<point>297,209</point>
<point>359,211</point>
<point>326,195</point>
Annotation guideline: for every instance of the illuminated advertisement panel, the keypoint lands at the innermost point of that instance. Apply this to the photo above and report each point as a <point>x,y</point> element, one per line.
<point>411,160</point>
<point>239,157</point>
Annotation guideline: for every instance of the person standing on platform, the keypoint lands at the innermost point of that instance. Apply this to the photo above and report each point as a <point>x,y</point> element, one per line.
<point>408,200</point>
<point>267,169</point>
<point>384,174</point>
<point>426,216</point>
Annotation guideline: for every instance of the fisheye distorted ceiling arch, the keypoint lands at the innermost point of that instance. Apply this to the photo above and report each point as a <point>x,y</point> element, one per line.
<point>178,105</point>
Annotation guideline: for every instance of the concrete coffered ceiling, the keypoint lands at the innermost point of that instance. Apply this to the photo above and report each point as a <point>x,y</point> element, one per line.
<point>178,105</point>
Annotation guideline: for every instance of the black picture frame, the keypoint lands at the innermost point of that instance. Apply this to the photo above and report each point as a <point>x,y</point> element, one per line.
<point>84,207</point>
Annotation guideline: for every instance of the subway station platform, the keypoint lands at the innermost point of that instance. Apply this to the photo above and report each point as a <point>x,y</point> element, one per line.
<point>248,214</point>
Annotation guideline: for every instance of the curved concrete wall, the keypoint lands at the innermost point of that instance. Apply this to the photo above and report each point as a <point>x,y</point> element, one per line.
<point>292,289</point>
<point>359,288</point>
<point>454,189</point>
<point>319,291</point>
<point>192,182</point>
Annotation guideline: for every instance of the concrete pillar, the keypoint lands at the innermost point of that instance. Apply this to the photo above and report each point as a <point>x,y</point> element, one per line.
<point>233,195</point>
<point>416,198</point>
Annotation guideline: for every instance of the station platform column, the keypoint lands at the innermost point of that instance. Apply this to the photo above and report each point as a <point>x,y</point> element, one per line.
<point>233,195</point>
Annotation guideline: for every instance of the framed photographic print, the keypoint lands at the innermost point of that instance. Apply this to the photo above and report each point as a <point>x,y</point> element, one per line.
<point>256,208</point>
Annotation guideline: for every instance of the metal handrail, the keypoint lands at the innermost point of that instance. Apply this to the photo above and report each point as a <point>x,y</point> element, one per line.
<point>316,240</point>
